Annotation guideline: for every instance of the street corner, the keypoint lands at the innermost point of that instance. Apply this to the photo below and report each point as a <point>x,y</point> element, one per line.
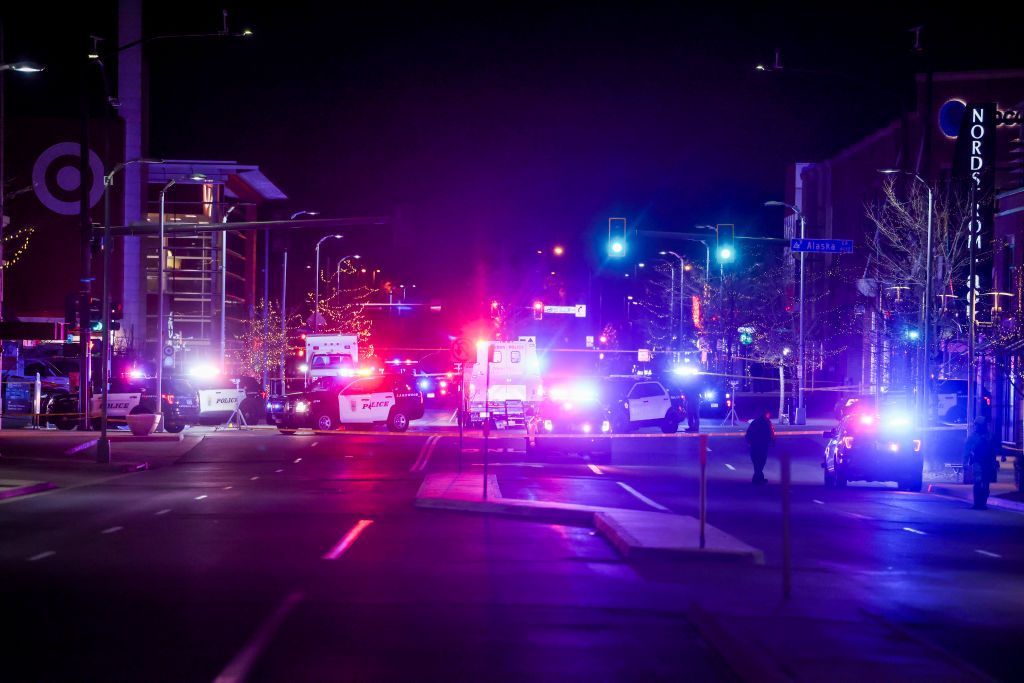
<point>644,536</point>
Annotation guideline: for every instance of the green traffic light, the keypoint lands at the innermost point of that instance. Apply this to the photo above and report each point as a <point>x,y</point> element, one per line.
<point>616,248</point>
<point>97,326</point>
<point>726,254</point>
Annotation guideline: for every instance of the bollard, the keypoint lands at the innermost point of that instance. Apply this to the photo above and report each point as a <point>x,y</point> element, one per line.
<point>37,400</point>
<point>787,550</point>
<point>703,485</point>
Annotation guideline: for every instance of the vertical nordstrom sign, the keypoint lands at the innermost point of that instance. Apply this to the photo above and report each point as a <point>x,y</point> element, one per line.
<point>974,167</point>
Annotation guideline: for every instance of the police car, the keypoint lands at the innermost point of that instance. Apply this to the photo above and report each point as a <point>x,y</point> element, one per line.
<point>333,401</point>
<point>131,396</point>
<point>869,446</point>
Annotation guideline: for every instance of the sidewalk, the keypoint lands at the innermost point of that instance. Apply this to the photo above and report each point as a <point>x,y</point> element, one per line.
<point>44,460</point>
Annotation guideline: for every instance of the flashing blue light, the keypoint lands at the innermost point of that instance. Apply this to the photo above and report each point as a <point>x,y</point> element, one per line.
<point>423,384</point>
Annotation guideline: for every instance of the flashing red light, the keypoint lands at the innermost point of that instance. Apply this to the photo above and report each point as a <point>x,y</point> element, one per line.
<point>444,392</point>
<point>300,353</point>
<point>169,398</point>
<point>538,305</point>
<point>848,441</point>
<point>603,339</point>
<point>728,403</point>
<point>302,336</point>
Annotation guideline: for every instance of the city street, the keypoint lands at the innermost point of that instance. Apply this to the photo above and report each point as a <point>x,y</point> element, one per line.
<point>258,556</point>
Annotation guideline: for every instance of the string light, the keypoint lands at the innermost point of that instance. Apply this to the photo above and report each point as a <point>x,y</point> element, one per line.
<point>24,235</point>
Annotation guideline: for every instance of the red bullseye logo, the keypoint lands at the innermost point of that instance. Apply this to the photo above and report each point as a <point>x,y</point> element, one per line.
<point>57,179</point>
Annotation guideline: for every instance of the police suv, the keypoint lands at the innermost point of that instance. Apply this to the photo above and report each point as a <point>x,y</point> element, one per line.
<point>130,396</point>
<point>219,398</point>
<point>333,401</point>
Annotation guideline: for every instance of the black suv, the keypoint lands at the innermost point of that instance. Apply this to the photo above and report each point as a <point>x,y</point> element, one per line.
<point>333,401</point>
<point>867,446</point>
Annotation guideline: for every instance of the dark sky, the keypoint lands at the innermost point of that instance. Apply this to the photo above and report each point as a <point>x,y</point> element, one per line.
<point>522,125</point>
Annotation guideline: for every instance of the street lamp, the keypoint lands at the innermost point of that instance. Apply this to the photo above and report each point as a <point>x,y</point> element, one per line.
<point>284,292</point>
<point>103,444</point>
<point>558,250</point>
<point>316,291</point>
<point>927,308</point>
<point>682,283</point>
<point>161,328</point>
<point>801,408</point>
<point>337,271</point>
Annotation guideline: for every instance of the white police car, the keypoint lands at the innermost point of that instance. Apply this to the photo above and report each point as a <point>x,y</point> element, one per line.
<point>333,401</point>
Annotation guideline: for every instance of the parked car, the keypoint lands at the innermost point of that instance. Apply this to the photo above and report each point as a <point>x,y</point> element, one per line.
<point>131,396</point>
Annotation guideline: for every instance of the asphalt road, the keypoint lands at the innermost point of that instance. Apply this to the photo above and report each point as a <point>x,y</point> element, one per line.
<point>263,557</point>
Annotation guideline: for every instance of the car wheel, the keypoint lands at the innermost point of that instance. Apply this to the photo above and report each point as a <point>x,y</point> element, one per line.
<point>286,432</point>
<point>64,424</point>
<point>670,425</point>
<point>174,428</point>
<point>325,422</point>
<point>620,424</point>
<point>398,421</point>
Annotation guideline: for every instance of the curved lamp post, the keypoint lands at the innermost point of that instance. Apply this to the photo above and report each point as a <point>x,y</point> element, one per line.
<point>316,291</point>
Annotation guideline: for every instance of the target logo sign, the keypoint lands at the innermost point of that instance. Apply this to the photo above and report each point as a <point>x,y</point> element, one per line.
<point>57,180</point>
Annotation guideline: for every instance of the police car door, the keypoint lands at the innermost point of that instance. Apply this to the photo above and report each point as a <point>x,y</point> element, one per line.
<point>660,403</point>
<point>351,399</point>
<point>119,404</point>
<point>368,399</point>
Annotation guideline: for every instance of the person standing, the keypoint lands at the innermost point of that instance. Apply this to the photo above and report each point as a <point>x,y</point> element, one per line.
<point>760,437</point>
<point>979,458</point>
<point>692,395</point>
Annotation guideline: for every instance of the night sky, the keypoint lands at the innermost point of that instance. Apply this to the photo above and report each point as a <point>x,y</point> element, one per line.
<point>515,126</point>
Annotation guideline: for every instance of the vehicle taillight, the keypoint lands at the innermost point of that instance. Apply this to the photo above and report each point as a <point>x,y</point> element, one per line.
<point>917,445</point>
<point>169,398</point>
<point>848,441</point>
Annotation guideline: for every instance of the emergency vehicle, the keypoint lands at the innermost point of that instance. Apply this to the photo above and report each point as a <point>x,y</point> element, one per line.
<point>332,354</point>
<point>219,398</point>
<point>332,401</point>
<point>514,384</point>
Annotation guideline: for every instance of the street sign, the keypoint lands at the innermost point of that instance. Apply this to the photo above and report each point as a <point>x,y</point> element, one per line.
<point>462,350</point>
<point>579,310</point>
<point>822,246</point>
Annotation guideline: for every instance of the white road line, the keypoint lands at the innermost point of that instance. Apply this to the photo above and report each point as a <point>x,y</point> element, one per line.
<point>594,468</point>
<point>162,512</point>
<point>112,530</point>
<point>312,445</point>
<point>238,669</point>
<point>253,478</point>
<point>278,471</point>
<point>642,497</point>
<point>42,556</point>
<point>819,502</point>
<point>347,540</point>
<point>915,531</point>
<point>228,488</point>
<point>201,497</point>
<point>730,467</point>
<point>988,554</point>
<point>298,460</point>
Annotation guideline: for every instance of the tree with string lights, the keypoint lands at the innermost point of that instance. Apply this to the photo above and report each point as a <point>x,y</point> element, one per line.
<point>261,352</point>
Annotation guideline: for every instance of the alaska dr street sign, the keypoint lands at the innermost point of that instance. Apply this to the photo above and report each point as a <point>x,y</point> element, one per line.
<point>824,246</point>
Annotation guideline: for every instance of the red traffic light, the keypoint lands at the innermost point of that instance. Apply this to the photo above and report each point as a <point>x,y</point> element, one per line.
<point>538,310</point>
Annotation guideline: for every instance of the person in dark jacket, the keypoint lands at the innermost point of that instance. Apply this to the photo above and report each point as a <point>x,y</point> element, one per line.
<point>692,396</point>
<point>760,437</point>
<point>980,459</point>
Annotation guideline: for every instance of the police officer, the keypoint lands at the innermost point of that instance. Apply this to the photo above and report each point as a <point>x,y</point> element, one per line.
<point>760,437</point>
<point>979,458</point>
<point>692,395</point>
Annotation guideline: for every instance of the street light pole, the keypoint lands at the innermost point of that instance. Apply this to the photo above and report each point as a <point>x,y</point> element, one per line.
<point>103,444</point>
<point>160,330</point>
<point>924,412</point>
<point>682,282</point>
<point>316,290</point>
<point>801,408</point>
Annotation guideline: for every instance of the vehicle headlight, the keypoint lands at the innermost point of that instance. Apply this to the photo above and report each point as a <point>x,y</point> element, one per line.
<point>894,447</point>
<point>586,428</point>
<point>709,395</point>
<point>301,407</point>
<point>548,425</point>
<point>606,426</point>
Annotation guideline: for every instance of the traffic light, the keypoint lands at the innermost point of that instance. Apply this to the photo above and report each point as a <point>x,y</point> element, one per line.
<point>116,311</point>
<point>617,237</point>
<point>725,243</point>
<point>95,315</point>
<point>538,310</point>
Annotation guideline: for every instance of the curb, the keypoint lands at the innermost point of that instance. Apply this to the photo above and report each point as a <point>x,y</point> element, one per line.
<point>993,501</point>
<point>25,489</point>
<point>131,438</point>
<point>633,547</point>
<point>750,663</point>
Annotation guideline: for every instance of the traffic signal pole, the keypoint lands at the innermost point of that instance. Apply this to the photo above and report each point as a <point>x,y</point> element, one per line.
<point>801,409</point>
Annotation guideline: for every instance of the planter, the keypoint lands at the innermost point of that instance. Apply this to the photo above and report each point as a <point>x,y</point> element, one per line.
<point>143,425</point>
